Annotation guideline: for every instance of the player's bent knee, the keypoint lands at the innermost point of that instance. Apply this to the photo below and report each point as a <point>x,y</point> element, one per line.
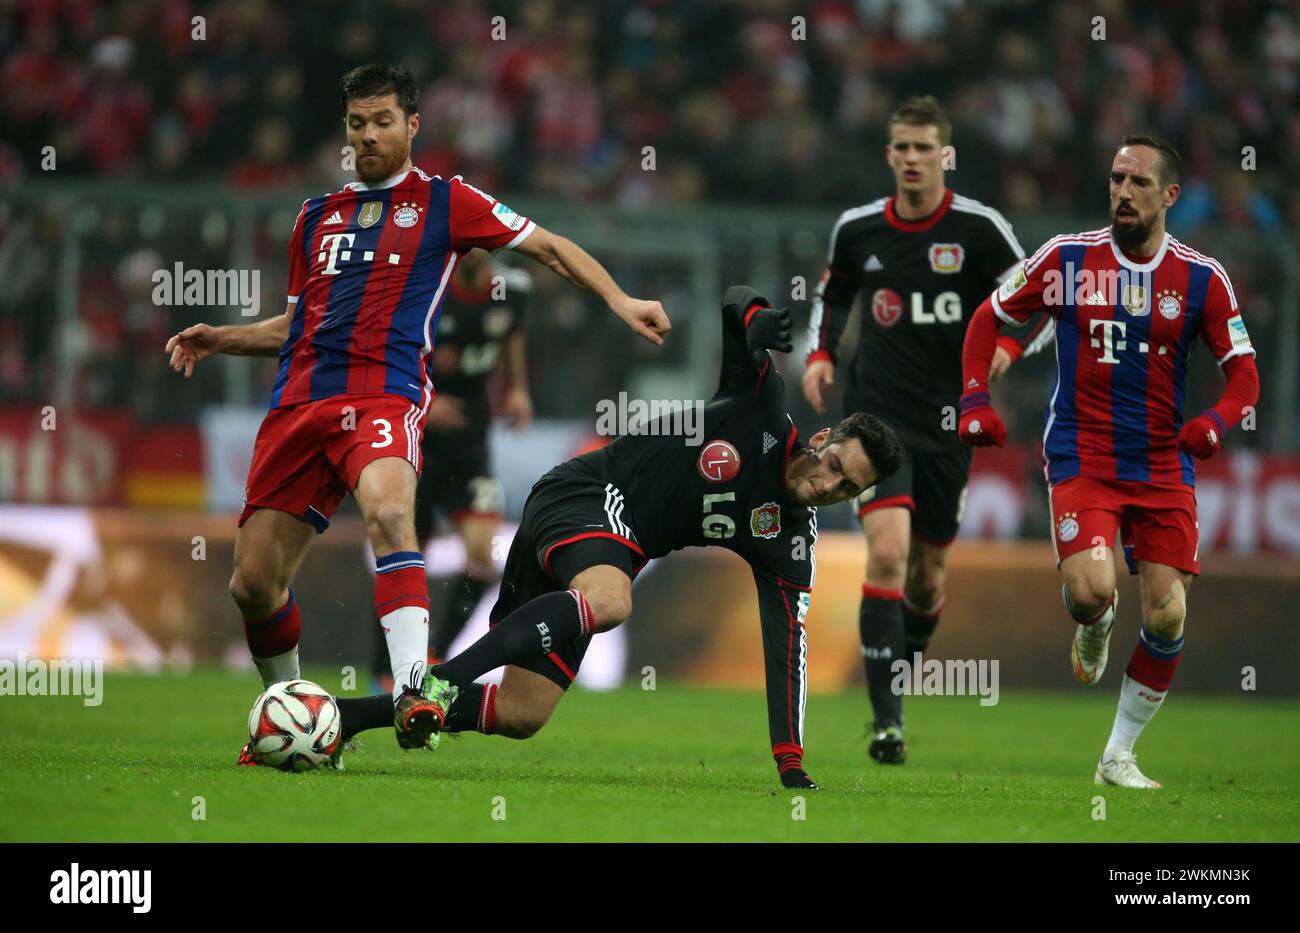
<point>521,722</point>
<point>256,594</point>
<point>609,608</point>
<point>1167,618</point>
<point>1089,593</point>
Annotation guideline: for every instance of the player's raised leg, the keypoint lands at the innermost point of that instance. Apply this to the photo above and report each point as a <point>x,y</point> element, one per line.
<point>385,491</point>
<point>1150,671</point>
<point>269,547</point>
<point>598,599</point>
<point>880,625</point>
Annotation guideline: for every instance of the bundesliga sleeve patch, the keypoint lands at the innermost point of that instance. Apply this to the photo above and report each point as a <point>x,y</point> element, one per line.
<point>507,217</point>
<point>1013,283</point>
<point>1237,333</point>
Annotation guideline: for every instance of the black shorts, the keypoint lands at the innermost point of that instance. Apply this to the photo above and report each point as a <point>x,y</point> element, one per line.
<point>932,486</point>
<point>571,522</point>
<point>456,480</point>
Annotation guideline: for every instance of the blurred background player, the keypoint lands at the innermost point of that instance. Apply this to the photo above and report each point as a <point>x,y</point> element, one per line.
<point>480,331</point>
<point>919,260</point>
<point>1129,302</point>
<point>368,266</point>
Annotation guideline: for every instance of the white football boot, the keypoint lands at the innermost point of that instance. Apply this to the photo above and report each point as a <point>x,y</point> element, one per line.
<point>1122,771</point>
<point>1091,645</point>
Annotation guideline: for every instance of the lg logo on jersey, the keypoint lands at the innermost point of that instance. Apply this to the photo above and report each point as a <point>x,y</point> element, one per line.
<point>338,248</point>
<point>887,308</point>
<point>1112,340</point>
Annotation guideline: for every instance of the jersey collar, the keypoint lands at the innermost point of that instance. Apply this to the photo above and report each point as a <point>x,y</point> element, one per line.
<point>1132,264</point>
<point>925,223</point>
<point>381,185</point>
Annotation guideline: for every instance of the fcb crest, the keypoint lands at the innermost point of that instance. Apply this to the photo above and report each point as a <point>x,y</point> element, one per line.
<point>1170,304</point>
<point>371,211</point>
<point>946,258</point>
<point>765,521</point>
<point>408,214</point>
<point>1067,529</point>
<point>1135,300</point>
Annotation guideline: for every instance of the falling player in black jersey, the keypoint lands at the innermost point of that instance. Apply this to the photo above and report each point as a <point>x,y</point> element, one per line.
<point>592,523</point>
<point>480,331</point>
<point>922,260</point>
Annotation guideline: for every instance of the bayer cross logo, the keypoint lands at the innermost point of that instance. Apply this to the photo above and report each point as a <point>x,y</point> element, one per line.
<point>719,462</point>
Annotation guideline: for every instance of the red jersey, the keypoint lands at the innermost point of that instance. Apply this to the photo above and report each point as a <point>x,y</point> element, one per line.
<point>368,268</point>
<point>1124,332</point>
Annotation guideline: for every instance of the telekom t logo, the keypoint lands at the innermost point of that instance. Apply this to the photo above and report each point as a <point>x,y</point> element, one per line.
<point>1106,343</point>
<point>331,244</point>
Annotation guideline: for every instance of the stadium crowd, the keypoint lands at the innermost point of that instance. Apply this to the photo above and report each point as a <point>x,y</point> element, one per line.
<point>764,102</point>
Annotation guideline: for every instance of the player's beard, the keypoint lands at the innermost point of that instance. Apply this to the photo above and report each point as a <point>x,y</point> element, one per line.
<point>386,166</point>
<point>1132,236</point>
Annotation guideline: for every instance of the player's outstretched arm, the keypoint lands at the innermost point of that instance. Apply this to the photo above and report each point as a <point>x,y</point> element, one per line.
<point>570,261</point>
<point>980,424</point>
<point>200,341</point>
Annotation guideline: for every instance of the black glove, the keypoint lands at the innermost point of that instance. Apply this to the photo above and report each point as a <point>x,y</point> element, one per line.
<point>769,329</point>
<point>797,778</point>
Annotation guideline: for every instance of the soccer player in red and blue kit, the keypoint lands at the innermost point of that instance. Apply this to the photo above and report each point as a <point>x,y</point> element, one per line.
<point>368,269</point>
<point>1129,302</point>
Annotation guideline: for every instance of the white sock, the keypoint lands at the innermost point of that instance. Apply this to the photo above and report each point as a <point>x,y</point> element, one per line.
<point>406,630</point>
<point>280,668</point>
<point>1137,704</point>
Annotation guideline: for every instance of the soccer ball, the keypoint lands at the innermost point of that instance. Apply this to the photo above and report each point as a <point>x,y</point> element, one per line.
<point>294,726</point>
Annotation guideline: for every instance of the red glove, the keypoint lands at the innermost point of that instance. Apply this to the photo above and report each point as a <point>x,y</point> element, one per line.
<point>980,424</point>
<point>1202,436</point>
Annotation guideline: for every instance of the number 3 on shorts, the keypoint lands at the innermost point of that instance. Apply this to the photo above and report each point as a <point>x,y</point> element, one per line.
<point>385,432</point>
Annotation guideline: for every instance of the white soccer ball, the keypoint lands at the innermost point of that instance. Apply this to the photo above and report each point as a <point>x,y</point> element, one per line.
<point>294,726</point>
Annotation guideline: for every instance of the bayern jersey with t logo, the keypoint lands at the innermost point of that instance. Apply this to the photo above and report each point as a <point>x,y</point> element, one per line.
<point>368,269</point>
<point>1124,333</point>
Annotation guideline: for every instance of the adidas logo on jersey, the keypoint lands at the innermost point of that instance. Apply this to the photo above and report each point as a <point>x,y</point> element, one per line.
<point>873,264</point>
<point>768,442</point>
<point>335,218</point>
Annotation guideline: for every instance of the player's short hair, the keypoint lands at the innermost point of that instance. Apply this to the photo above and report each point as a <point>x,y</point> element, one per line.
<point>1170,163</point>
<point>377,80</point>
<point>877,439</point>
<point>923,110</point>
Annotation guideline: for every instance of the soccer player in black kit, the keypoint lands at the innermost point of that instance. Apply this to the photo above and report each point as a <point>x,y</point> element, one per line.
<point>592,523</point>
<point>480,331</point>
<point>923,261</point>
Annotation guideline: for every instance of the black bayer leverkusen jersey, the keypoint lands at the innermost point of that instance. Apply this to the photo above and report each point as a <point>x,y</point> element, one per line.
<point>472,329</point>
<point>729,491</point>
<point>920,282</point>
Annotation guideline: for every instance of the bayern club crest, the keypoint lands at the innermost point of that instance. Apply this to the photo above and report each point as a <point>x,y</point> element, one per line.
<point>765,521</point>
<point>1170,304</point>
<point>1067,529</point>
<point>408,215</point>
<point>719,462</point>
<point>886,307</point>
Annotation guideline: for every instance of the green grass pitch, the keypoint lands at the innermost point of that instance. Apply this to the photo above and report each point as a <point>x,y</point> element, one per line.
<point>677,763</point>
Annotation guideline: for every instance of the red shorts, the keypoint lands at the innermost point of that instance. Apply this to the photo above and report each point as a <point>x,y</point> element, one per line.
<point>309,456</point>
<point>1157,523</point>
